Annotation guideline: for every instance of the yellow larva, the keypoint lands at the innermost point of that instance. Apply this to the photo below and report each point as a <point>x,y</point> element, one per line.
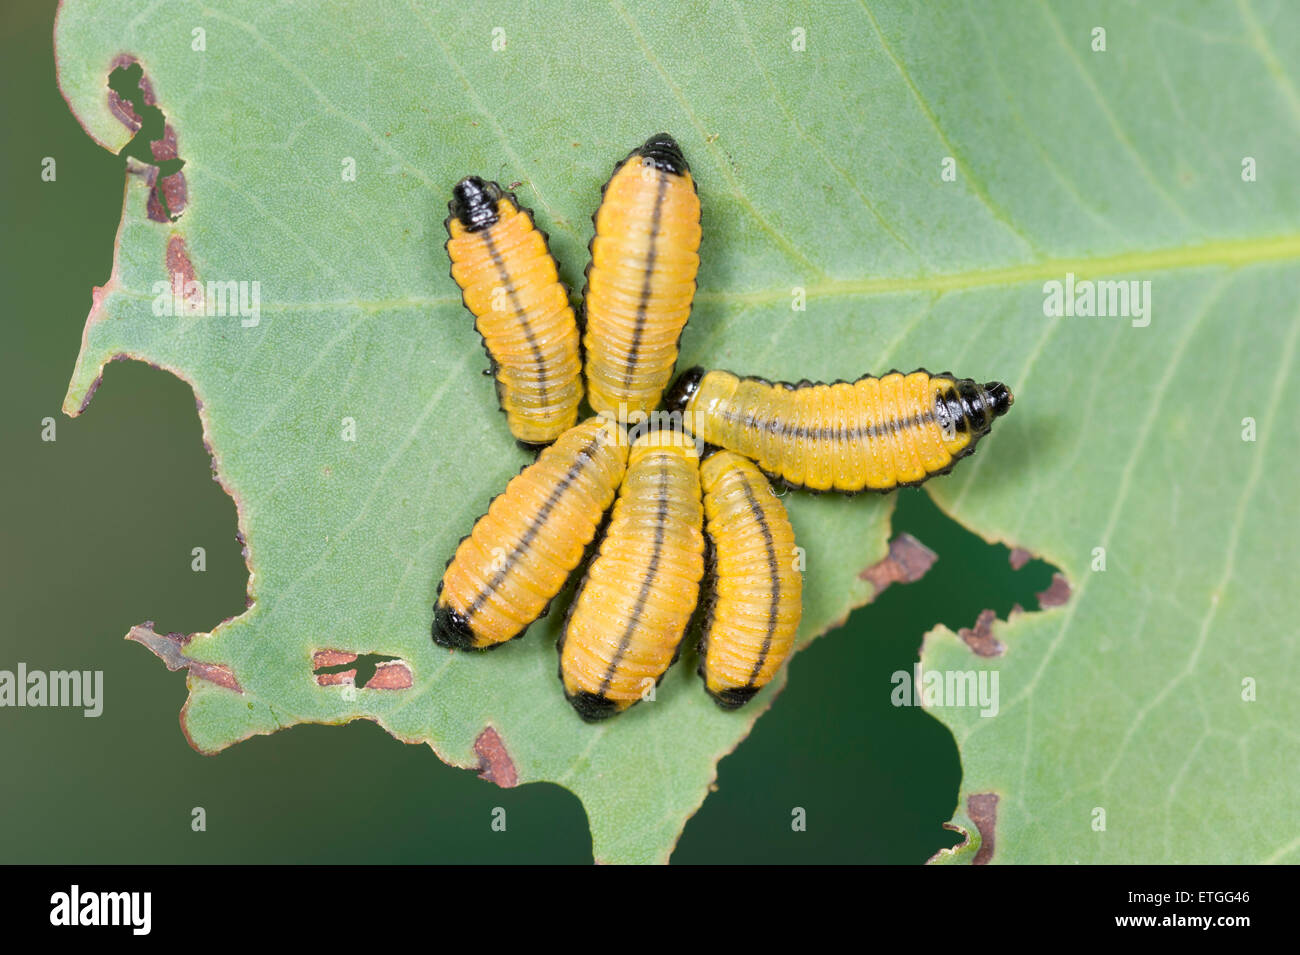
<point>509,282</point>
<point>757,597</point>
<point>520,553</point>
<point>872,434</point>
<point>641,279</point>
<point>627,622</point>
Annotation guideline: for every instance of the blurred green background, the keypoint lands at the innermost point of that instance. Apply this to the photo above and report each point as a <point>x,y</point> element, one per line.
<point>98,528</point>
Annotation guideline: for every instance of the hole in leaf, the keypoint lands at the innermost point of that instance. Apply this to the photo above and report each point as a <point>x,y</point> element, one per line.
<point>154,143</point>
<point>970,576</point>
<point>878,781</point>
<point>372,671</point>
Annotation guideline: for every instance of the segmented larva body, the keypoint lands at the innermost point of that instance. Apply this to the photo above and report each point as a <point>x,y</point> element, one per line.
<point>509,282</point>
<point>627,622</point>
<point>757,597</point>
<point>641,279</point>
<point>520,553</point>
<point>872,434</point>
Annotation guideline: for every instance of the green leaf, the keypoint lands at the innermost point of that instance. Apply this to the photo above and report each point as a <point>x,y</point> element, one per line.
<point>820,168</point>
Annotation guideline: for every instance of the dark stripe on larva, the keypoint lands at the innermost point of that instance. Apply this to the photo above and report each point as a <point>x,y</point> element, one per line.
<point>535,525</point>
<point>518,312</point>
<point>647,585</point>
<point>749,420</point>
<point>774,574</point>
<point>637,333</point>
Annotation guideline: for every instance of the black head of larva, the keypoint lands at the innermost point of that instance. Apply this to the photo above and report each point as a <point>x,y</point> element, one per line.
<point>591,707</point>
<point>474,203</point>
<point>662,150</point>
<point>980,404</point>
<point>687,383</point>
<point>451,629</point>
<point>1000,398</point>
<point>733,698</point>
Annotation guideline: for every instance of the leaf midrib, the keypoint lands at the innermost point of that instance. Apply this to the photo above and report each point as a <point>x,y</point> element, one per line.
<point>1234,253</point>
